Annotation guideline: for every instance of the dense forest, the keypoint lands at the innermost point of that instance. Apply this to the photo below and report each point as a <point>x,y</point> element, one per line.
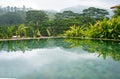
<point>91,22</point>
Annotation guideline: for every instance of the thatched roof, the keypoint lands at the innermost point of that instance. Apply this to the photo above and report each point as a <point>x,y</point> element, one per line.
<point>114,6</point>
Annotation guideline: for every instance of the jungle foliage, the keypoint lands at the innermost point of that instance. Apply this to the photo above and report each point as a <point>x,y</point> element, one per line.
<point>36,23</point>
<point>109,29</point>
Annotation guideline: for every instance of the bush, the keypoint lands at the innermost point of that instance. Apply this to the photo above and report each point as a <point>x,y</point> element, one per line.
<point>109,29</point>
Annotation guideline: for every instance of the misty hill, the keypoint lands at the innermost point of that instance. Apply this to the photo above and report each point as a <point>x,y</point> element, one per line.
<point>76,9</point>
<point>80,8</point>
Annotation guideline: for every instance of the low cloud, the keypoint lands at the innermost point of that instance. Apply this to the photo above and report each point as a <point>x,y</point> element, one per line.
<point>57,5</point>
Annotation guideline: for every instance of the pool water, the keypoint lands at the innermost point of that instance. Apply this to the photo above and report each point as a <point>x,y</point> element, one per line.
<point>60,59</point>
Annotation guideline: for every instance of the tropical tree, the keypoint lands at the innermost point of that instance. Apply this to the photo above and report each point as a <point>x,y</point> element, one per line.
<point>11,18</point>
<point>95,13</point>
<point>35,18</point>
<point>21,31</point>
<point>7,32</point>
<point>65,15</point>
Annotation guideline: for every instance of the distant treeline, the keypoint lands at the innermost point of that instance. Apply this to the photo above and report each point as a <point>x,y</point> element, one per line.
<point>13,9</point>
<point>12,15</point>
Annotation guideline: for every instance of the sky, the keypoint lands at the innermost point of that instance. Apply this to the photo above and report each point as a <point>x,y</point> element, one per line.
<point>59,4</point>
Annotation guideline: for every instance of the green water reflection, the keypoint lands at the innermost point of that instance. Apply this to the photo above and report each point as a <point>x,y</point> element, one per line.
<point>60,59</point>
<point>102,48</point>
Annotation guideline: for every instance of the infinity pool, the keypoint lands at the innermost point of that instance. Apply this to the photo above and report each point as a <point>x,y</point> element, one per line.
<point>60,59</point>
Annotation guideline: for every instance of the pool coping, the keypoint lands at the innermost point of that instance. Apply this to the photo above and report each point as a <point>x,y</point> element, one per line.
<point>13,39</point>
<point>53,37</point>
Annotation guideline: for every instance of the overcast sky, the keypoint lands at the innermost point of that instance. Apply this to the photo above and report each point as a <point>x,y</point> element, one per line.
<point>59,4</point>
